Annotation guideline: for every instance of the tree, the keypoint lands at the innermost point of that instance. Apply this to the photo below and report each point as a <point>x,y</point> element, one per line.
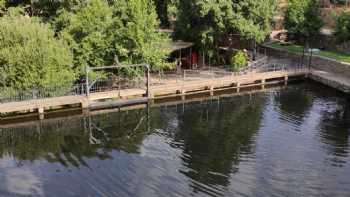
<point>47,9</point>
<point>342,29</point>
<point>162,11</point>
<point>100,32</point>
<point>88,30</point>
<point>204,22</point>
<point>30,56</point>
<point>302,19</point>
<point>138,40</point>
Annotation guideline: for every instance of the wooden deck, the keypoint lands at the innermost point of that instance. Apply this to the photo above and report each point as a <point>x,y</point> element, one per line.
<point>41,104</point>
<point>169,89</point>
<point>222,82</point>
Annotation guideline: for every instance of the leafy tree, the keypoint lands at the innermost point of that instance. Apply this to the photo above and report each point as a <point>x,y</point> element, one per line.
<point>172,9</point>
<point>203,22</point>
<point>138,40</point>
<point>302,19</point>
<point>30,56</point>
<point>100,32</point>
<point>342,29</point>
<point>89,33</point>
<point>43,8</point>
<point>252,19</point>
<point>206,21</point>
<point>162,11</point>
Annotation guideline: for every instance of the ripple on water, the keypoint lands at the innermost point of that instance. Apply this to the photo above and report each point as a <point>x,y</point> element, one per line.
<point>289,142</point>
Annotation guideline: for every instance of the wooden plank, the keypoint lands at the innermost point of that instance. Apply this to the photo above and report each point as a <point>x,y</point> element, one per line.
<point>41,103</point>
<point>170,88</point>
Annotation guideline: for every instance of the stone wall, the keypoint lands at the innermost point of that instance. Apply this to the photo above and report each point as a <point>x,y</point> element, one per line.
<point>320,63</point>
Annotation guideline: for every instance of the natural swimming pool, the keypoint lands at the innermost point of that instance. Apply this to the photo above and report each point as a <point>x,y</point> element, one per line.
<point>292,141</point>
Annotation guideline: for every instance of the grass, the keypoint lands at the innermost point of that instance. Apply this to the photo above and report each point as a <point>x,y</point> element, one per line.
<point>299,49</point>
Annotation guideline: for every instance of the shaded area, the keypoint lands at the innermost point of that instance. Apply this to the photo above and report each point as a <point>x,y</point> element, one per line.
<point>215,137</point>
<point>69,141</point>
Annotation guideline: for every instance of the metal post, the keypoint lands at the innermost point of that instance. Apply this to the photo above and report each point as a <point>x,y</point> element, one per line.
<point>254,51</point>
<point>87,81</point>
<point>119,95</point>
<point>302,58</point>
<point>148,117</point>
<point>180,62</point>
<point>203,59</point>
<point>148,81</point>
<point>191,58</point>
<point>310,60</point>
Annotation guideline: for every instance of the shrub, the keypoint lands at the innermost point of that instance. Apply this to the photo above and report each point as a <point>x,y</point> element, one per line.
<point>239,60</point>
<point>342,29</point>
<point>30,55</point>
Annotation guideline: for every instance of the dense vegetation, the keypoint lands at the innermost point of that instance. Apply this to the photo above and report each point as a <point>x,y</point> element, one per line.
<point>205,22</point>
<point>75,34</point>
<point>30,55</point>
<point>80,33</point>
<point>302,19</point>
<point>342,29</point>
<point>98,33</point>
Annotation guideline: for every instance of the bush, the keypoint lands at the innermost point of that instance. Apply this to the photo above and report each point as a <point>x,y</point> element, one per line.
<point>239,60</point>
<point>342,29</point>
<point>31,57</point>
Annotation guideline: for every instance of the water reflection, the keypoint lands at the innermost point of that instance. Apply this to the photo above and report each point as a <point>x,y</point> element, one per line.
<point>216,136</point>
<point>230,146</point>
<point>295,103</point>
<point>67,141</point>
<point>335,129</point>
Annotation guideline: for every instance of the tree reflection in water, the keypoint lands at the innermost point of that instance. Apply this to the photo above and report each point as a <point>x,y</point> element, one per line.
<point>234,145</point>
<point>216,136</point>
<point>69,140</point>
<point>335,130</point>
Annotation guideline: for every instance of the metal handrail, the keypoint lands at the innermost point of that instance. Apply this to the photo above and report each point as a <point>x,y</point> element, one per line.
<point>12,95</point>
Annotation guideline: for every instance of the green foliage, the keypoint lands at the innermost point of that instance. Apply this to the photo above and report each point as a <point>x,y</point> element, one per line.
<point>99,33</point>
<point>206,21</point>
<point>302,18</point>
<point>47,9</point>
<point>162,11</point>
<point>2,7</point>
<point>342,29</point>
<point>172,9</point>
<point>253,19</point>
<point>239,60</point>
<point>89,33</point>
<point>30,56</point>
<point>299,49</point>
<point>138,39</point>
